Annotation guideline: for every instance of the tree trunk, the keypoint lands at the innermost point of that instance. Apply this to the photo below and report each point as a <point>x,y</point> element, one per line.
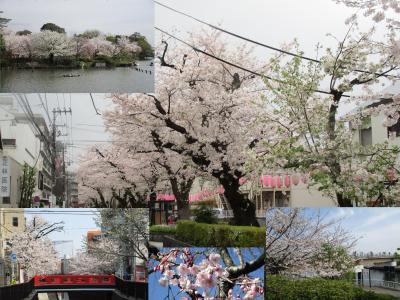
<point>244,210</point>
<point>343,201</point>
<point>183,209</point>
<point>181,191</point>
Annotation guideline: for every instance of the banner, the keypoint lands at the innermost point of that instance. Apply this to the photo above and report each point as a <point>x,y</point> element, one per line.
<point>5,177</point>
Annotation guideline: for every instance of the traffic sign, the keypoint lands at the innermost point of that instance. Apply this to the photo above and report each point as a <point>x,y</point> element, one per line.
<point>13,257</point>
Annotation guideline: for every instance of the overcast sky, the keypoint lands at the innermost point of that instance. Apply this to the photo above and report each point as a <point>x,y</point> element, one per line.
<point>76,16</point>
<point>272,22</point>
<point>377,228</point>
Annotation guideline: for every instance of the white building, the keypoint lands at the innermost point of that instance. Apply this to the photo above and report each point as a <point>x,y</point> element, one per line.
<point>22,143</point>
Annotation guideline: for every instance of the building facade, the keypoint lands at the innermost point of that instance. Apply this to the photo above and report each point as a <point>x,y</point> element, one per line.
<point>25,146</point>
<point>12,221</point>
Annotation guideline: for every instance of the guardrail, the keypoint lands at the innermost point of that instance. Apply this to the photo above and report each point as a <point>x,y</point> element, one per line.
<point>16,291</point>
<point>137,290</point>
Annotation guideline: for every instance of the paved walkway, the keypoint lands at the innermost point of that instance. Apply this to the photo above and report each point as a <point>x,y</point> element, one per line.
<point>383,291</point>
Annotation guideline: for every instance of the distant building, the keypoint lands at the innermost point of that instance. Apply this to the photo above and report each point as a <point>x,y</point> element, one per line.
<point>93,236</point>
<point>11,221</point>
<point>266,191</point>
<point>22,143</point>
<point>372,130</point>
<point>72,190</point>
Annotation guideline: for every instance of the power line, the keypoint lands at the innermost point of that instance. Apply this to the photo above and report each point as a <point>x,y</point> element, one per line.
<point>233,64</point>
<point>258,43</point>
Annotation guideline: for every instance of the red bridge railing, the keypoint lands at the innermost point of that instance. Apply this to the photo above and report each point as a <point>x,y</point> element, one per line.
<point>73,280</point>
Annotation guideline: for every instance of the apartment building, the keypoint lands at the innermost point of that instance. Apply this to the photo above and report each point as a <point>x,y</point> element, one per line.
<point>11,221</point>
<point>25,147</point>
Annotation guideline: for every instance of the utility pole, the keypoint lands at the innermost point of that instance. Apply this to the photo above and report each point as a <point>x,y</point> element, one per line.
<point>60,112</point>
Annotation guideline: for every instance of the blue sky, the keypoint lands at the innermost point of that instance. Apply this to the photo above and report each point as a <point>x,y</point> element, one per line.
<point>76,223</point>
<point>377,228</point>
<point>156,291</point>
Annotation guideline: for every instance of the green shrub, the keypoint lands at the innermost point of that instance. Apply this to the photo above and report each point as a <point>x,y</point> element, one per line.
<point>283,288</point>
<point>216,235</point>
<point>162,229</point>
<point>205,214</point>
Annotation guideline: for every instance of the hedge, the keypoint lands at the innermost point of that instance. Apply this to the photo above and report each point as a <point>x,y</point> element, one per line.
<point>283,288</point>
<point>162,229</point>
<point>217,235</point>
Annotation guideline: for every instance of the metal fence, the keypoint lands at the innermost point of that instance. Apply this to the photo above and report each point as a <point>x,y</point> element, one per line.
<point>393,285</point>
<point>137,290</point>
<point>16,291</point>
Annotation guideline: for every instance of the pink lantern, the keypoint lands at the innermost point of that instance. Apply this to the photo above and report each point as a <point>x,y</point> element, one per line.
<point>287,181</point>
<point>304,178</point>
<point>273,182</point>
<point>295,179</point>
<point>269,181</point>
<point>264,180</point>
<point>278,180</point>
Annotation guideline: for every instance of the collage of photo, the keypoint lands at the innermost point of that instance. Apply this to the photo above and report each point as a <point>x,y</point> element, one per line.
<point>199,150</point>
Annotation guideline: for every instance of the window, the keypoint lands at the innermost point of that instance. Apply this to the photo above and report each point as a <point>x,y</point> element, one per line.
<point>281,199</point>
<point>9,142</point>
<point>6,200</point>
<point>395,129</point>
<point>366,136</point>
<point>15,221</point>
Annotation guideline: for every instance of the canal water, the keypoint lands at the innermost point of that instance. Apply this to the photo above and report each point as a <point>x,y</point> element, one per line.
<point>101,80</point>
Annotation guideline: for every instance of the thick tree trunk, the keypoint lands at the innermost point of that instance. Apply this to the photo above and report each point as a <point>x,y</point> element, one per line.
<point>181,191</point>
<point>183,209</point>
<point>244,210</point>
<point>343,201</point>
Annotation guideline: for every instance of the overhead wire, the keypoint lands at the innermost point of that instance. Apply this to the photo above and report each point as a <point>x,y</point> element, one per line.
<point>259,43</point>
<point>234,64</point>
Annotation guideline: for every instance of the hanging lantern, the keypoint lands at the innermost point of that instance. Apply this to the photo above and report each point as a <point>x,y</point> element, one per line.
<point>304,178</point>
<point>273,182</point>
<point>287,181</point>
<point>269,181</point>
<point>278,180</point>
<point>295,179</point>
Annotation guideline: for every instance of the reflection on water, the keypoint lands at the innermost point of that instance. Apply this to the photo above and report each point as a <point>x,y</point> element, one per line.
<point>124,80</point>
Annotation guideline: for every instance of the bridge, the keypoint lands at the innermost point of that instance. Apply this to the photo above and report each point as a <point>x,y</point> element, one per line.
<point>369,261</point>
<point>76,287</point>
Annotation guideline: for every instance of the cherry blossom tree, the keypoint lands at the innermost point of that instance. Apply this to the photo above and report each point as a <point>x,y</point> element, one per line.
<point>100,258</point>
<point>127,47</point>
<point>209,273</point>
<point>127,228</point>
<point>19,46</point>
<point>202,110</point>
<point>50,44</point>
<point>35,251</point>
<point>133,178</point>
<point>315,139</point>
<point>304,242</point>
<point>125,236</point>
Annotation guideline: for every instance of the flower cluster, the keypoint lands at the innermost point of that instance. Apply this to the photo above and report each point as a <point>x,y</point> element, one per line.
<point>200,276</point>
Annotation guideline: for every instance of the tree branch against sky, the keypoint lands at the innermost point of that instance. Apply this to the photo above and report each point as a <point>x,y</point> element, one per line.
<point>304,241</point>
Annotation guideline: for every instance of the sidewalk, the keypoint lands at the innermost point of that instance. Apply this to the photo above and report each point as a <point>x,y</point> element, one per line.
<point>379,290</point>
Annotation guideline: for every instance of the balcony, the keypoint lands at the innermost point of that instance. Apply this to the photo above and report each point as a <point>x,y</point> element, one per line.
<point>261,213</point>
